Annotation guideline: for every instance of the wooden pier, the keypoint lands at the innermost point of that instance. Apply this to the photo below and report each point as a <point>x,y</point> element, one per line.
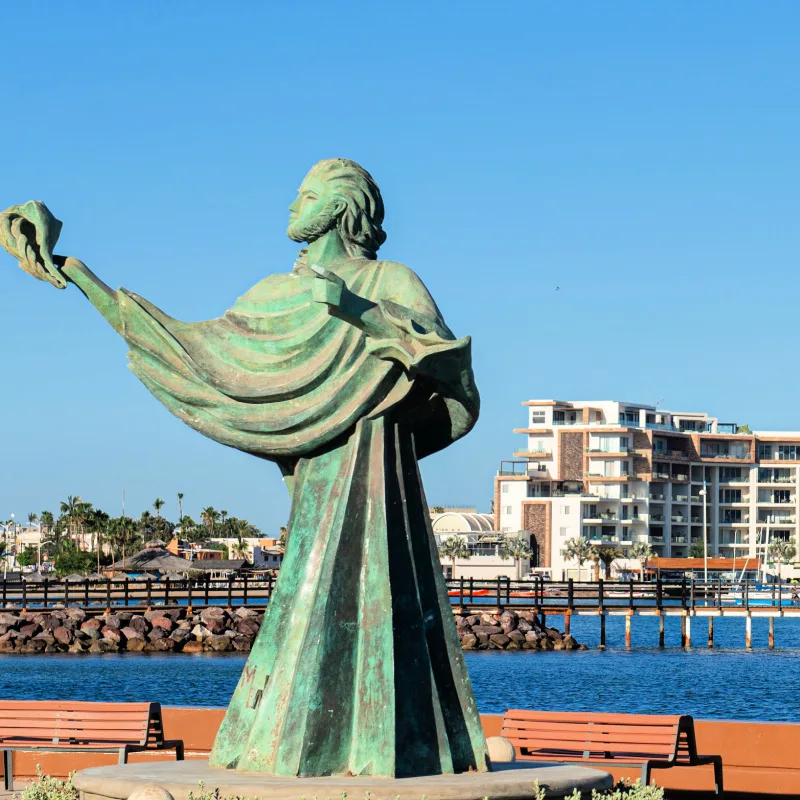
<point>687,600</point>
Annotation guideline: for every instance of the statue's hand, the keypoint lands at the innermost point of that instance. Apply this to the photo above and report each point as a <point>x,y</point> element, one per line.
<point>329,288</point>
<point>29,233</point>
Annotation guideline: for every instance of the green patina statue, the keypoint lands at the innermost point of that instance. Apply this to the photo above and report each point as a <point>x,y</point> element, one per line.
<point>344,374</point>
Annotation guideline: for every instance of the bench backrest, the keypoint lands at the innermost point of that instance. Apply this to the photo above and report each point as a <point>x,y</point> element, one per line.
<point>64,722</point>
<point>581,735</point>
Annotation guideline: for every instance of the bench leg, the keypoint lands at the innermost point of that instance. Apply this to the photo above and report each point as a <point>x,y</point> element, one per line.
<point>8,770</point>
<point>123,755</point>
<point>646,774</point>
<point>718,774</point>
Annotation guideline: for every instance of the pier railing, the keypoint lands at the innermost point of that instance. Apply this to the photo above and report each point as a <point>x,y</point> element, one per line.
<point>117,593</point>
<point>600,595</point>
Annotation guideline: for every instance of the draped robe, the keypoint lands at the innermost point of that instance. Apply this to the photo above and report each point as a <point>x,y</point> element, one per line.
<point>357,667</point>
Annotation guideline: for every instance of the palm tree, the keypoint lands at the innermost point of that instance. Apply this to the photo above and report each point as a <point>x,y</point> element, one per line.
<point>643,552</point>
<point>283,534</point>
<point>577,549</point>
<point>782,552</point>
<point>454,548</point>
<point>158,504</point>
<point>517,548</point>
<point>32,517</point>
<point>180,509</point>
<point>72,513</point>
<point>47,521</point>
<point>607,556</point>
<point>209,515</point>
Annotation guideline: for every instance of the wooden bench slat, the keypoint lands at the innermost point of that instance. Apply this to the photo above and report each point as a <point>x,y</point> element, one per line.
<point>580,748</point>
<point>35,724</point>
<point>595,733</point>
<point>593,716</point>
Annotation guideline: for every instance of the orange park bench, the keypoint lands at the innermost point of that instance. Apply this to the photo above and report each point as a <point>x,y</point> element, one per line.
<point>122,728</point>
<point>625,740</point>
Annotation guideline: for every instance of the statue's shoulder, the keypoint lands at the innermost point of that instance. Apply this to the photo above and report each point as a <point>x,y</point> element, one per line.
<point>402,285</point>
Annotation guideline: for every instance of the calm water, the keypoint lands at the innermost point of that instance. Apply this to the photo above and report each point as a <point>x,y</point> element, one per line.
<point>727,682</point>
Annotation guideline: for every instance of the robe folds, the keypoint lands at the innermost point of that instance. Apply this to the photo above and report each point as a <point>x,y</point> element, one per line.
<point>357,668</point>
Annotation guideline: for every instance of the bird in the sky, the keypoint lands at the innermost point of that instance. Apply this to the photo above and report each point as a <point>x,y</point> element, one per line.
<point>557,288</point>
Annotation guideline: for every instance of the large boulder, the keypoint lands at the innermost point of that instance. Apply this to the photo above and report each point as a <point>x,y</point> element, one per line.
<point>30,630</point>
<point>216,642</point>
<point>63,635</point>
<point>93,624</point>
<point>499,640</point>
<point>469,642</point>
<point>111,634</point>
<point>163,622</point>
<point>139,623</point>
<point>242,644</point>
<point>248,626</point>
<point>193,646</point>
<point>487,629</point>
<point>135,643</point>
<point>8,619</point>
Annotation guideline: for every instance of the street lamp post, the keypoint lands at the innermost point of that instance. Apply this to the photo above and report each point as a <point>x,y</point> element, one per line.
<point>704,495</point>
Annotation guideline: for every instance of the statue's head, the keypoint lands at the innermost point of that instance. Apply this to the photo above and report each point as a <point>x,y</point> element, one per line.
<point>339,194</point>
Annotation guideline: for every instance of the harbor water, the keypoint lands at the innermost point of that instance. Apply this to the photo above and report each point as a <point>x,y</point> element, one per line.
<point>727,682</point>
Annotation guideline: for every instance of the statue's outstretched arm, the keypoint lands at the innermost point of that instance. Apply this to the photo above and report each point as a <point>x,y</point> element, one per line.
<point>100,295</point>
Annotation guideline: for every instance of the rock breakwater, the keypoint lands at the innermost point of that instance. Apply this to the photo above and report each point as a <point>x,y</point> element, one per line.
<point>511,630</point>
<point>72,630</point>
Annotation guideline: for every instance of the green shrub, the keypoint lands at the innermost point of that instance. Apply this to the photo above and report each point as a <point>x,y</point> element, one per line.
<point>47,788</point>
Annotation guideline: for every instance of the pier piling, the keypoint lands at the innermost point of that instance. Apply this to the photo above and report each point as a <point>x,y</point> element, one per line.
<point>683,631</point>
<point>711,632</point>
<point>628,631</point>
<point>688,627</point>
<point>771,633</point>
<point>661,630</point>
<point>748,632</point>
<point>567,621</point>
<point>602,630</point>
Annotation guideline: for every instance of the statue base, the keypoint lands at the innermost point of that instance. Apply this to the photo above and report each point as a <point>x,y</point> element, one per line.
<point>507,782</point>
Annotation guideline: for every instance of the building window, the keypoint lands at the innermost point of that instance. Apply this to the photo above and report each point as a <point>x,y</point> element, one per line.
<point>505,488</point>
<point>780,496</point>
<point>537,417</point>
<point>508,509</point>
<point>625,467</point>
<point>765,452</point>
<point>623,444</point>
<point>563,531</point>
<point>730,496</point>
<point>565,510</point>
<point>787,452</point>
<point>541,468</point>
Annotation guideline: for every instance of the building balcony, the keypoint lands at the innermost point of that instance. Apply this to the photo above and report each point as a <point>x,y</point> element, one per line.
<point>680,498</point>
<point>679,518</point>
<point>632,500</point>
<point>661,476</point>
<point>662,426</point>
<point>778,521</point>
<point>656,518</point>
<point>725,456</point>
<point>777,502</point>
<point>735,482</point>
<point>657,498</point>
<point>608,453</point>
<point>656,539</point>
<point>745,501</point>
<point>603,540</point>
<point>678,540</point>
<point>533,454</point>
<point>680,478</point>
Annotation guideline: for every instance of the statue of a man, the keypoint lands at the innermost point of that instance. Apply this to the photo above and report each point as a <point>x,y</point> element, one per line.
<point>344,373</point>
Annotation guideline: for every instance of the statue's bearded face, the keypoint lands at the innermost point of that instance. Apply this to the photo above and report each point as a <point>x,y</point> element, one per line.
<point>313,212</point>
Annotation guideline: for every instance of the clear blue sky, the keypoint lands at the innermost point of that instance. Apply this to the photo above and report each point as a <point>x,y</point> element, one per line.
<point>641,156</point>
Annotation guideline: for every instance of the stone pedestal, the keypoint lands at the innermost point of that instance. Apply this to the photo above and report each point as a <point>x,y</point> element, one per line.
<point>505,782</point>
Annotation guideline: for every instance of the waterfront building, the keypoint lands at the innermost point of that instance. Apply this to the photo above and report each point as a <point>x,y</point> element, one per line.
<point>483,543</point>
<point>618,473</point>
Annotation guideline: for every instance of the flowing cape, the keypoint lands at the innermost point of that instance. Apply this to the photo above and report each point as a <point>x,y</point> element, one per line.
<point>279,377</point>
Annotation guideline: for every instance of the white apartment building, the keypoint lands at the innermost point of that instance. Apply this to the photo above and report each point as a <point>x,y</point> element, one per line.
<point>617,473</point>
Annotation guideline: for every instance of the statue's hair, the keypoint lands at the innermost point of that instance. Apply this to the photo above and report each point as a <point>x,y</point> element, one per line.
<point>360,223</point>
